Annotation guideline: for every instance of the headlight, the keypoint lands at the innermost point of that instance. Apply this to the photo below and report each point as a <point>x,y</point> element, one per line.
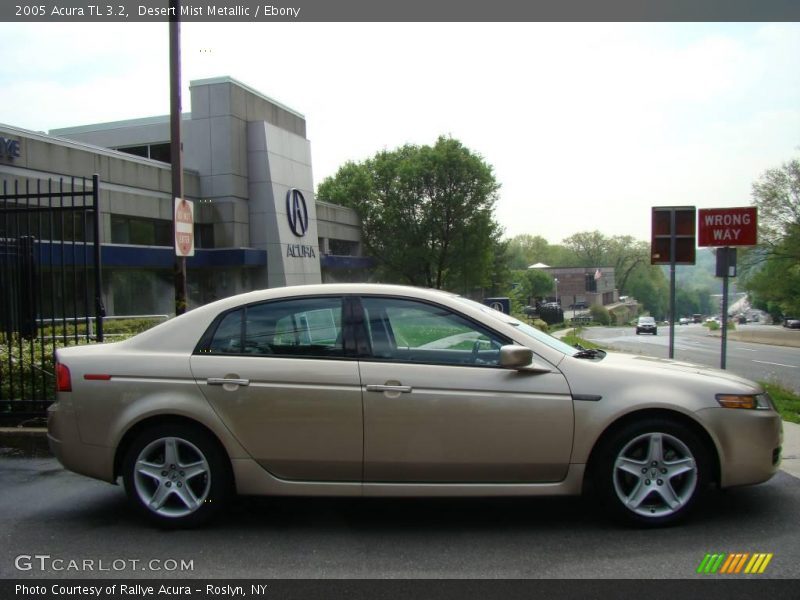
<point>751,401</point>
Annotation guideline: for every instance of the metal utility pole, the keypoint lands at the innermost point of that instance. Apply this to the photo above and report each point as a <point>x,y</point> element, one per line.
<point>176,143</point>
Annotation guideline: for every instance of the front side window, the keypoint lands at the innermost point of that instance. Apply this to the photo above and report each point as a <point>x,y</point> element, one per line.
<point>302,327</point>
<point>411,331</point>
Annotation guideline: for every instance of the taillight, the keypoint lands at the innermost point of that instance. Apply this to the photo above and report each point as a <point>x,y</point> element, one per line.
<point>63,378</point>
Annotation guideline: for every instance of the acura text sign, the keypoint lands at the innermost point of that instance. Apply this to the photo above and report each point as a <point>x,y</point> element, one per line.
<point>727,226</point>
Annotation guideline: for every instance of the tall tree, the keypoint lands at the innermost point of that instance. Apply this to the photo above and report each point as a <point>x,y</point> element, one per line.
<point>771,271</point>
<point>427,213</point>
<point>526,250</point>
<point>623,252</point>
<point>589,246</point>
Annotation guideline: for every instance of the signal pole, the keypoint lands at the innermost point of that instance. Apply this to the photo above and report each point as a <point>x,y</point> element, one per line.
<point>176,143</point>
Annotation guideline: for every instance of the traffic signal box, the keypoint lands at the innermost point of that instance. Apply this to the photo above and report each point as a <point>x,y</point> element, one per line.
<point>679,222</point>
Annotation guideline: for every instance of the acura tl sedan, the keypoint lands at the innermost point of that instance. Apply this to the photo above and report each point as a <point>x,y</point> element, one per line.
<point>373,390</point>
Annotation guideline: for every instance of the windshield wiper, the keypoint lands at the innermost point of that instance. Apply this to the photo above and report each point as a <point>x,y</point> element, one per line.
<point>588,352</point>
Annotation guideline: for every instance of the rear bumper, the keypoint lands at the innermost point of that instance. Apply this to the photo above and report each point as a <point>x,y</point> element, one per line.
<point>66,444</point>
<point>748,441</point>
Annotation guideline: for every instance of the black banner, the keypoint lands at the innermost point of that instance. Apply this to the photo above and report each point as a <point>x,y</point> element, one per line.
<point>367,589</point>
<point>405,11</point>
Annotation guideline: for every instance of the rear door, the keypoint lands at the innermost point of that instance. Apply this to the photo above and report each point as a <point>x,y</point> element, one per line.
<point>283,379</point>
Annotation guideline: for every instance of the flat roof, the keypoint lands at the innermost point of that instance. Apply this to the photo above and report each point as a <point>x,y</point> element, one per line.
<point>244,86</point>
<point>159,120</point>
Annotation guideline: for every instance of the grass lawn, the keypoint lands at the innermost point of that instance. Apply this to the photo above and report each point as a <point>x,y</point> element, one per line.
<point>787,402</point>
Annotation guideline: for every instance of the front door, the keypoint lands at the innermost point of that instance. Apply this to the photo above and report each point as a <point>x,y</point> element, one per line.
<point>438,408</point>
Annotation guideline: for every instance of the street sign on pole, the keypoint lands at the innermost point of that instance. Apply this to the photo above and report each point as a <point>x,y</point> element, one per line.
<point>727,227</point>
<point>724,229</point>
<point>726,268</point>
<point>672,242</point>
<point>673,235</point>
<point>184,227</point>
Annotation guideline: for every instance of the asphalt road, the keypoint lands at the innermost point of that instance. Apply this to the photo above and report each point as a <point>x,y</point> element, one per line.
<point>760,362</point>
<point>50,512</point>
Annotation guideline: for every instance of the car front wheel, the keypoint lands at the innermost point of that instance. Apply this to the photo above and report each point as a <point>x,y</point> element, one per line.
<point>176,475</point>
<point>652,472</point>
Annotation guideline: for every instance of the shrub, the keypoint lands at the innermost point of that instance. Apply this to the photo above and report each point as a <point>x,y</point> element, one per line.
<point>600,314</point>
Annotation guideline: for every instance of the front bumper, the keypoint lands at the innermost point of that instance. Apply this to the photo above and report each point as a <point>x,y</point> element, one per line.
<point>748,441</point>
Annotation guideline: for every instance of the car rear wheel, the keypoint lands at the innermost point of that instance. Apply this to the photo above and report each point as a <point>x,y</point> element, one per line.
<point>652,473</point>
<point>176,475</point>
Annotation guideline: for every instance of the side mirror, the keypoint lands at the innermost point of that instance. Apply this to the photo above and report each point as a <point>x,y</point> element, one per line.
<point>519,358</point>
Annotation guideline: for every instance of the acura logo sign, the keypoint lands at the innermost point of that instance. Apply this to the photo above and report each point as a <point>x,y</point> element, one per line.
<point>296,212</point>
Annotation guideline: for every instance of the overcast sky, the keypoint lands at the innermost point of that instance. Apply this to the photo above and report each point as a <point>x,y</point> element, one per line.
<point>586,125</point>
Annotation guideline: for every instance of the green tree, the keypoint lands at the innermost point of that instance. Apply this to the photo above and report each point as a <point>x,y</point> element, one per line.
<point>427,213</point>
<point>533,283</point>
<point>623,252</point>
<point>771,271</point>
<point>525,250</point>
<point>650,287</point>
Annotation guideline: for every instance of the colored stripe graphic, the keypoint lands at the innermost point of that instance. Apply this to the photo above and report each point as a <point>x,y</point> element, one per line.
<point>758,563</point>
<point>734,563</point>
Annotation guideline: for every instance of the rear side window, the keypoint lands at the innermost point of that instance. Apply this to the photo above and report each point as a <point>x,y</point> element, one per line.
<point>228,337</point>
<point>302,327</point>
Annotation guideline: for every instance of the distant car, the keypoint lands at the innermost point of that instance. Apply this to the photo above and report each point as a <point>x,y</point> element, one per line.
<point>791,323</point>
<point>371,390</point>
<point>684,321</point>
<point>646,325</point>
<point>741,319</point>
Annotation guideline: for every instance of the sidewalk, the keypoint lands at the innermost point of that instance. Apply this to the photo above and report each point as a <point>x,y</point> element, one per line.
<point>775,335</point>
<point>791,449</point>
<point>31,442</point>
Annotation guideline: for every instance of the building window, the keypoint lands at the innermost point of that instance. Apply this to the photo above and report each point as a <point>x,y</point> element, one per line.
<point>155,151</point>
<point>343,247</point>
<point>161,152</point>
<point>204,235</point>
<point>136,151</point>
<point>140,232</point>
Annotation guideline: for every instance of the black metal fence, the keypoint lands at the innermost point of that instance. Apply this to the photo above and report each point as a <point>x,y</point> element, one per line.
<point>50,285</point>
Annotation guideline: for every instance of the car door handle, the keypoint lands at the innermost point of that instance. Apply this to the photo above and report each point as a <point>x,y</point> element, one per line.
<point>226,381</point>
<point>403,389</point>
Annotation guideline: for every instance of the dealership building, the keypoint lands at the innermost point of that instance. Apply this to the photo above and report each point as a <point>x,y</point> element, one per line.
<point>247,168</point>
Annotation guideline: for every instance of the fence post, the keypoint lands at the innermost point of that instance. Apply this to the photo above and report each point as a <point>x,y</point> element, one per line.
<point>99,307</point>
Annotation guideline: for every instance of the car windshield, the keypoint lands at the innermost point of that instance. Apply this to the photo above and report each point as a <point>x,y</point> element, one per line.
<point>646,320</point>
<point>528,330</point>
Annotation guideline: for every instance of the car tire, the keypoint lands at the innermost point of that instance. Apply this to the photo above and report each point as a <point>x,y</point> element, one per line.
<point>177,475</point>
<point>652,472</point>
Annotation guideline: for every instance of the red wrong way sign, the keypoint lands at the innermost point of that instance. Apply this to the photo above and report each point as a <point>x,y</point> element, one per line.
<point>727,226</point>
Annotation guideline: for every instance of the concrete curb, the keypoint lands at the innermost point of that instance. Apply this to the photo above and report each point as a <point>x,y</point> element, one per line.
<point>791,449</point>
<point>28,442</point>
<point>779,337</point>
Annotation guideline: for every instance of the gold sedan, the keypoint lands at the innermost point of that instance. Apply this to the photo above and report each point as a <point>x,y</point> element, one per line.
<point>375,390</point>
